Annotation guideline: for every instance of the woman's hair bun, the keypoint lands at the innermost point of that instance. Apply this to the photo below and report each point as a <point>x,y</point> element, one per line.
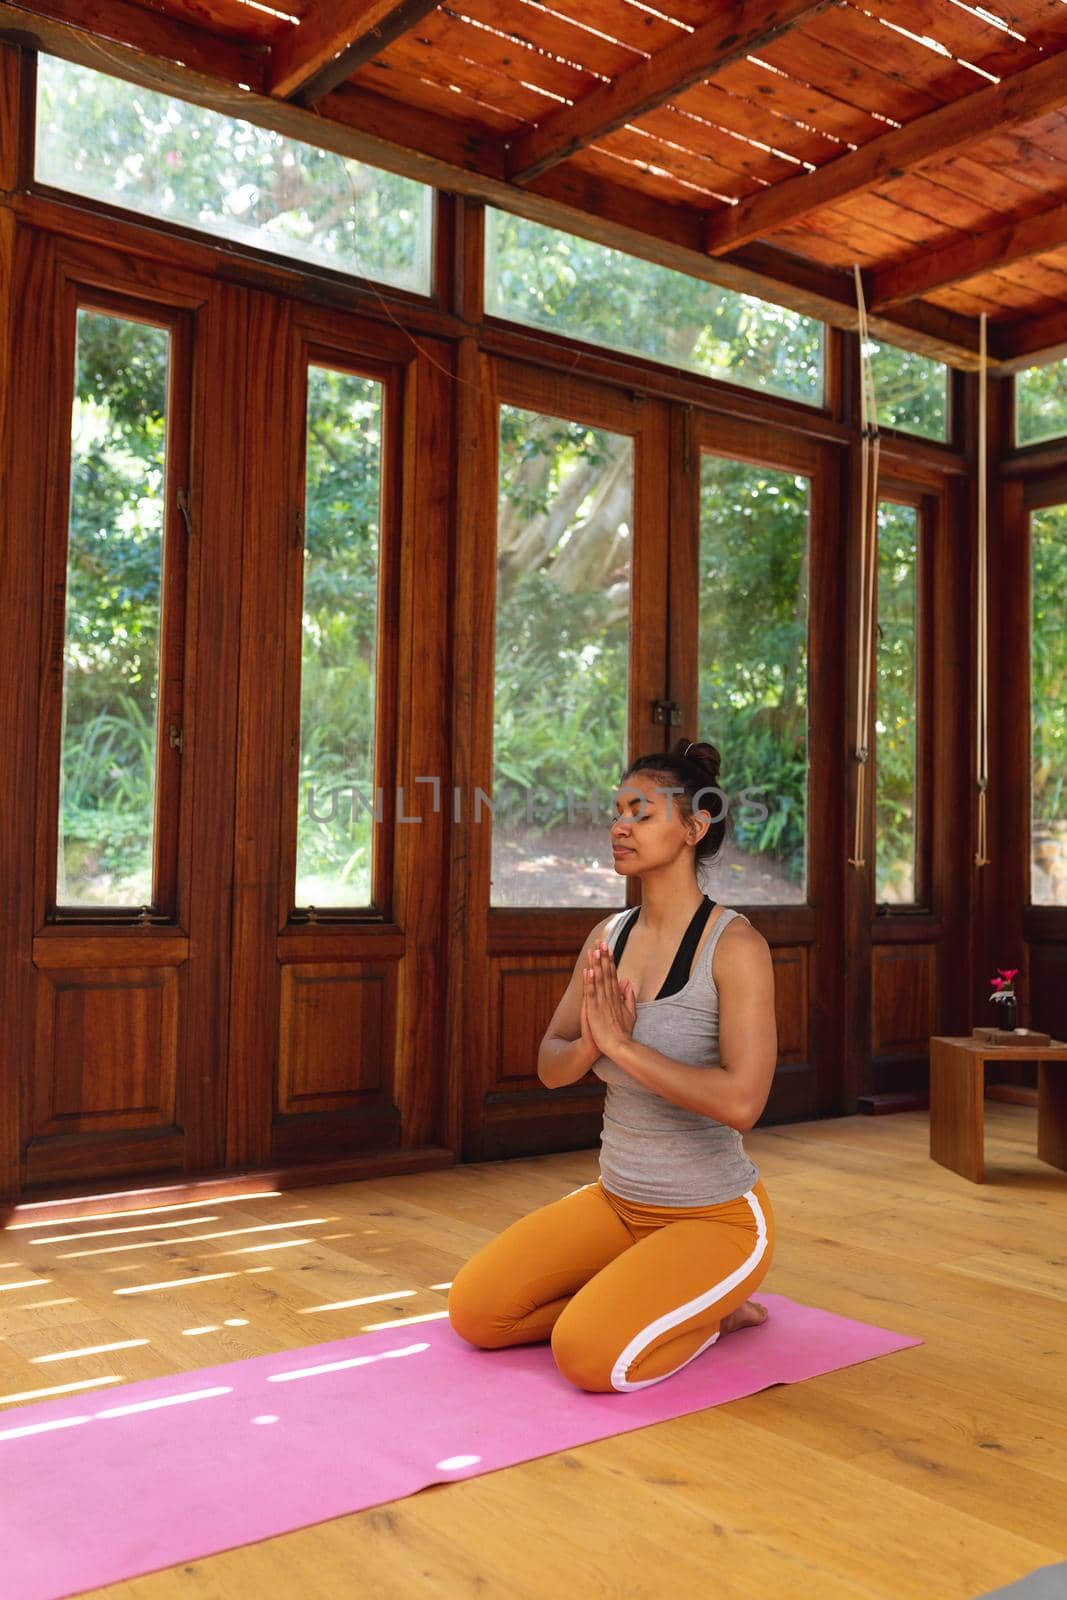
<point>704,756</point>
<point>692,767</point>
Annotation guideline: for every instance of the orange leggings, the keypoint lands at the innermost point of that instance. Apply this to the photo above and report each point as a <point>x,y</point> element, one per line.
<point>628,1294</point>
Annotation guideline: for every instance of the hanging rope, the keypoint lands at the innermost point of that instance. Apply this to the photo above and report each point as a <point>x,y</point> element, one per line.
<point>982,662</point>
<point>869,452</point>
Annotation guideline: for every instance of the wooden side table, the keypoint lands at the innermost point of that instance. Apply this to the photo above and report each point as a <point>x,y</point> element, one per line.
<point>957,1101</point>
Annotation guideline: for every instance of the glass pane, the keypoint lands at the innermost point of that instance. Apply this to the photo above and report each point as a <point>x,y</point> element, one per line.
<point>160,157</point>
<point>1048,702</point>
<point>1041,403</point>
<point>910,390</point>
<point>111,633</point>
<point>562,660</point>
<point>338,804</point>
<point>547,279</point>
<point>896,703</point>
<point>753,686</point>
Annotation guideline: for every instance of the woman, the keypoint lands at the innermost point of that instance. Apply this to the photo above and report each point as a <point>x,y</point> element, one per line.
<point>671,1004</point>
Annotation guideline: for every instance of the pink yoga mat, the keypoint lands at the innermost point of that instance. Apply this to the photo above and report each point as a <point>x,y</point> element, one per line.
<point>156,1473</point>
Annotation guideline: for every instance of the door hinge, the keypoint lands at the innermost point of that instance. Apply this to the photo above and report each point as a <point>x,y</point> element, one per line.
<point>176,737</point>
<point>667,711</point>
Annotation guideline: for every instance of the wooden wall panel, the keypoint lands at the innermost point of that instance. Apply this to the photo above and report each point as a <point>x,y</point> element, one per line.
<point>107,1050</point>
<point>904,1009</point>
<point>791,977</point>
<point>336,1036</point>
<point>1047,981</point>
<point>525,994</point>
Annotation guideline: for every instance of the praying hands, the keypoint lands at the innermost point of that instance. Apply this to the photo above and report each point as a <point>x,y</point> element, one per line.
<point>609,1009</point>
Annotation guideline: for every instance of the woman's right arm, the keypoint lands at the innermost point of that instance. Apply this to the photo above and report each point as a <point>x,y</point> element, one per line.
<point>565,1055</point>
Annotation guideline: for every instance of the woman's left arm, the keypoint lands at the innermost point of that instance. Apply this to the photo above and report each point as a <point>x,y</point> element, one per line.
<point>735,1092</point>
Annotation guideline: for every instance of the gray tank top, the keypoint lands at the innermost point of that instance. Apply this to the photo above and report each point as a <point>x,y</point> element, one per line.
<point>652,1151</point>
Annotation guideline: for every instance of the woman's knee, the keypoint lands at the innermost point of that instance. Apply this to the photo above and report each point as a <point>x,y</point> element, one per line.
<point>577,1357</point>
<point>470,1309</point>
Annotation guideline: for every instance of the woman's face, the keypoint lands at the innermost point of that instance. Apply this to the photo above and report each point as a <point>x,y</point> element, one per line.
<point>649,828</point>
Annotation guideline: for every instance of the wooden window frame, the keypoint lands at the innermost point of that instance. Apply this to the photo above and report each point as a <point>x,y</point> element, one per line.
<point>366,351</point>
<point>737,439</point>
<point>1038,495</point>
<point>440,248</point>
<point>645,421</point>
<point>77,294</point>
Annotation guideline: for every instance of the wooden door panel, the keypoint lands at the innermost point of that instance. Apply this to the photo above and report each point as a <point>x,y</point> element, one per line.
<point>337,1028</point>
<point>791,981</point>
<point>904,1014</point>
<point>525,993</point>
<point>107,1050</point>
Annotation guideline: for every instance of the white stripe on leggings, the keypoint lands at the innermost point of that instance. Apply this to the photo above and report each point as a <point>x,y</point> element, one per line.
<point>671,1319</point>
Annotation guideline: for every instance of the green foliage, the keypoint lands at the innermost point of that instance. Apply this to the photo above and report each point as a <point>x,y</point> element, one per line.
<point>910,391</point>
<point>753,608</point>
<point>1041,403</point>
<point>114,571</point>
<point>560,706</point>
<point>587,291</point>
<point>340,609</point>
<point>1048,625</point>
<point>165,158</point>
<point>896,676</point>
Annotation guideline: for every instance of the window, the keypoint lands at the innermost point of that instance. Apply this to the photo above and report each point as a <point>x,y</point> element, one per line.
<point>1048,703</point>
<point>910,390</point>
<point>164,158</point>
<point>109,748</point>
<point>562,658</point>
<point>753,682</point>
<point>1041,403</point>
<point>338,801</point>
<point>570,286</point>
<point>896,704</point>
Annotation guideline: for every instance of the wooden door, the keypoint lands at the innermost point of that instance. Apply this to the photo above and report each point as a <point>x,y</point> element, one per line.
<point>123,565</point>
<point>561,604</point>
<point>758,615</point>
<point>227,598</point>
<point>343,775</point>
<point>1028,842</point>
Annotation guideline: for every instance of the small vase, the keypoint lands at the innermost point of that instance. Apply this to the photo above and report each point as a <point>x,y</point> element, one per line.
<point>1008,1013</point>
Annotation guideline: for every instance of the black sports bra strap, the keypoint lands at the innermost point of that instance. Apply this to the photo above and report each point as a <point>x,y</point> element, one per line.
<point>678,976</point>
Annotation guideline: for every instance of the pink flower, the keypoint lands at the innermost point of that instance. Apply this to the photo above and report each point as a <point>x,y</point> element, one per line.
<point>1009,974</point>
<point>998,983</point>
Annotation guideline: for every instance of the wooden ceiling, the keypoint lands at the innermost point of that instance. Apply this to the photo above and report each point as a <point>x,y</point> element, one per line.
<point>768,144</point>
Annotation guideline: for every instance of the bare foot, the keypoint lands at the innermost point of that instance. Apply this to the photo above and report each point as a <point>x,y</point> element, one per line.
<point>749,1315</point>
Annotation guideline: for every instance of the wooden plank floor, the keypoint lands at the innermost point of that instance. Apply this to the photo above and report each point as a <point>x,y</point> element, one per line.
<point>933,1474</point>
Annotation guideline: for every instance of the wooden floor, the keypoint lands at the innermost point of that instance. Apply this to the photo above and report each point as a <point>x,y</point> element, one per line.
<point>933,1474</point>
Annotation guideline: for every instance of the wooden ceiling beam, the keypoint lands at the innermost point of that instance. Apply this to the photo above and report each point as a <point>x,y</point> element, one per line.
<point>1030,342</point>
<point>736,31</point>
<point>141,29</point>
<point>334,39</point>
<point>944,264</point>
<point>920,143</point>
<point>389,135</point>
